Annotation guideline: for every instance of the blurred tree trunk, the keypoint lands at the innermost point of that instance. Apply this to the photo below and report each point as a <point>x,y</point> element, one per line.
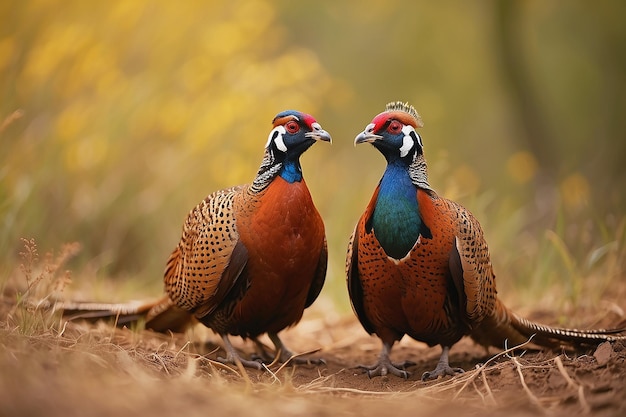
<point>536,135</point>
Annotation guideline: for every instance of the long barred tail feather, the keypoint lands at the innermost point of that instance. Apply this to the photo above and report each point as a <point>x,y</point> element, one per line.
<point>160,315</point>
<point>569,336</point>
<point>504,326</point>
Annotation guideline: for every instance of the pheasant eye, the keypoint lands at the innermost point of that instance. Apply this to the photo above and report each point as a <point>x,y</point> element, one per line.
<point>394,127</point>
<point>292,127</point>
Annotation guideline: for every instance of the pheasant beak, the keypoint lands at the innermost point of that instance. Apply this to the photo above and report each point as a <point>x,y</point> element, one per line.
<point>319,134</point>
<point>367,136</point>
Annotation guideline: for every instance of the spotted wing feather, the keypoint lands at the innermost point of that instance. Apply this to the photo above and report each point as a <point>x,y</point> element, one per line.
<point>209,258</point>
<point>470,266</point>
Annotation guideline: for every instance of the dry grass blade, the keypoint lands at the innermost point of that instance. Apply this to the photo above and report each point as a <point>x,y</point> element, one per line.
<point>160,360</point>
<point>269,371</point>
<point>185,346</point>
<point>582,400</point>
<point>490,396</point>
<point>276,358</point>
<point>244,374</point>
<point>218,364</point>
<point>358,391</point>
<point>533,399</point>
<point>292,357</point>
<point>63,328</point>
<point>561,368</point>
<point>571,383</point>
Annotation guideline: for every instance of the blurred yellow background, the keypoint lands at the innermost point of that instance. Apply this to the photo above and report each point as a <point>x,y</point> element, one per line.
<point>117,117</point>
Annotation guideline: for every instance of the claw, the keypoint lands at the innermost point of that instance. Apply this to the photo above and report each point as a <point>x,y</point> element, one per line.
<point>232,357</point>
<point>382,369</point>
<point>258,360</point>
<point>441,371</point>
<point>248,364</point>
<point>385,366</point>
<point>443,367</point>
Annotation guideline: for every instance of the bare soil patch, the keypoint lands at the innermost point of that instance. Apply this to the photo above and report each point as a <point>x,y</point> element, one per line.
<point>86,369</point>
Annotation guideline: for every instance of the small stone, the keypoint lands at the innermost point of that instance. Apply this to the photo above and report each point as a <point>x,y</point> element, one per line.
<point>603,353</point>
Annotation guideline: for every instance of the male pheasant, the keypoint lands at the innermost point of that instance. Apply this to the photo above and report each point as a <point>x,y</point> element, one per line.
<point>251,257</point>
<point>418,264</point>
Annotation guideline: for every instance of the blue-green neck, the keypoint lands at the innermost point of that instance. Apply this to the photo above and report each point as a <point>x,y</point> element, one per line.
<point>291,171</point>
<point>396,220</point>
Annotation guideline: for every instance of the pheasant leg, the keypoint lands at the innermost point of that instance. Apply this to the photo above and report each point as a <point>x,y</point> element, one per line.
<point>443,367</point>
<point>385,366</point>
<point>233,357</point>
<point>261,354</point>
<point>286,354</point>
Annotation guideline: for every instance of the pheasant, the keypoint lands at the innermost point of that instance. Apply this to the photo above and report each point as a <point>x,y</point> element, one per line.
<point>418,264</point>
<point>251,258</point>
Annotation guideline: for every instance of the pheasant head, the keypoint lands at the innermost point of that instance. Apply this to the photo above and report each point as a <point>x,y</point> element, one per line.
<point>395,216</point>
<point>393,133</point>
<point>293,133</point>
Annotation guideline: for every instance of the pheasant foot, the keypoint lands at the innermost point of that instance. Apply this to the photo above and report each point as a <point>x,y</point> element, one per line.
<point>287,355</point>
<point>232,357</point>
<point>385,366</point>
<point>443,367</point>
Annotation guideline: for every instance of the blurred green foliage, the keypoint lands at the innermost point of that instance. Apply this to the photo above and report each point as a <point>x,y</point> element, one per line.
<point>117,117</point>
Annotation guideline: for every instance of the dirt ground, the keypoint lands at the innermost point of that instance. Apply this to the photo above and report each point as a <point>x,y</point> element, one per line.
<point>96,369</point>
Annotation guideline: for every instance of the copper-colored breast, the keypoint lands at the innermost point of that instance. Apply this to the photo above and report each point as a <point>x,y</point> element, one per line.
<point>284,236</point>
